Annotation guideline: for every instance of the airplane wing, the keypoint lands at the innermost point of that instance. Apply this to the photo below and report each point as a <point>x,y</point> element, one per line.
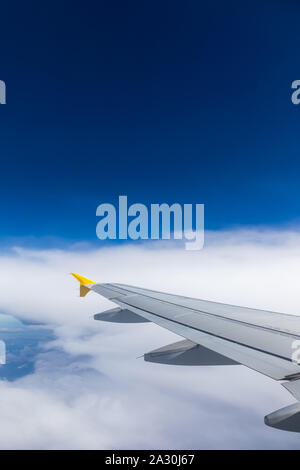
<point>215,334</point>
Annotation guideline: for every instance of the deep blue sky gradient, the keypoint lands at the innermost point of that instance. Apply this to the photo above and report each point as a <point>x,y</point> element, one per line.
<point>165,101</point>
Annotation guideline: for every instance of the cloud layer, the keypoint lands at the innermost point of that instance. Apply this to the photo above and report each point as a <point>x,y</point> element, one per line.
<point>89,390</point>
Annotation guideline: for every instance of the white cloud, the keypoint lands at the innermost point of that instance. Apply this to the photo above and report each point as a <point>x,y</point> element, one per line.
<point>90,391</point>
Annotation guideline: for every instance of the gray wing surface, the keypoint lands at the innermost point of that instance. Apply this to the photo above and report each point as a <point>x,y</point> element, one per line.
<point>217,334</point>
<point>258,339</point>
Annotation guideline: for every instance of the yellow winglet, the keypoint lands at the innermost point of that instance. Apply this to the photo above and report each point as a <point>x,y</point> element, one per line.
<point>82,280</point>
<point>84,283</point>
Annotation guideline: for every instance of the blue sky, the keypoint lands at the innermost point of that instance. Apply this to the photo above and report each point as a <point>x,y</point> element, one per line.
<point>162,101</point>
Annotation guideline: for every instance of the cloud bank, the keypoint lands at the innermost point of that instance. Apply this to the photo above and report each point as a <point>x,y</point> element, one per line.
<point>90,391</point>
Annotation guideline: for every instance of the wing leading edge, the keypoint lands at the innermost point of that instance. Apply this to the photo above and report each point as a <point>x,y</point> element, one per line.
<point>215,334</point>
